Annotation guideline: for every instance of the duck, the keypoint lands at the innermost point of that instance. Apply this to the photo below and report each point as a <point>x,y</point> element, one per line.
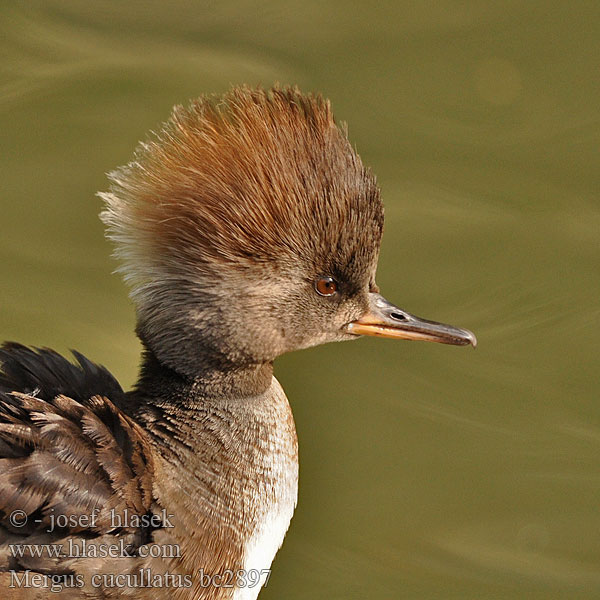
<point>246,227</point>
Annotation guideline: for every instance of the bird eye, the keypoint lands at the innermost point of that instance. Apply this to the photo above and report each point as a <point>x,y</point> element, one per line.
<point>326,286</point>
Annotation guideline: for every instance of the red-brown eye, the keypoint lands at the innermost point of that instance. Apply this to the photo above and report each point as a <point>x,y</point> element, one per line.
<point>326,286</point>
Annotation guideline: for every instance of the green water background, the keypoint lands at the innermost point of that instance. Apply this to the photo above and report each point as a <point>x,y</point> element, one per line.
<point>426,471</point>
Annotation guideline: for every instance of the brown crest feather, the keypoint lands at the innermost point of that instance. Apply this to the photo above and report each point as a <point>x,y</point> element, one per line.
<point>240,180</point>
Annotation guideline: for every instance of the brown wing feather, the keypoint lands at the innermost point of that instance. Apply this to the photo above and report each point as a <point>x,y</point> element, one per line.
<point>76,455</point>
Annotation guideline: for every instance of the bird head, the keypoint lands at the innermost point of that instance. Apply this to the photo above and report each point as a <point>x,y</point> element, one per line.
<point>248,227</point>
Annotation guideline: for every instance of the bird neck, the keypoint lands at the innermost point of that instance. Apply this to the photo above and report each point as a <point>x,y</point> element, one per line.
<point>160,383</point>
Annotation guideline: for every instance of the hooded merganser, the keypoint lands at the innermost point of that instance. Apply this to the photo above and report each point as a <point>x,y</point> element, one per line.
<point>246,228</point>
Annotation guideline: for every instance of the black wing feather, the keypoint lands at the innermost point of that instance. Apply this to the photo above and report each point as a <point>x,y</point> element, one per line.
<point>49,374</point>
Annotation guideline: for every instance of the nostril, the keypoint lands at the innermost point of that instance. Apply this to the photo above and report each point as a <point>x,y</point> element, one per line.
<point>398,316</point>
